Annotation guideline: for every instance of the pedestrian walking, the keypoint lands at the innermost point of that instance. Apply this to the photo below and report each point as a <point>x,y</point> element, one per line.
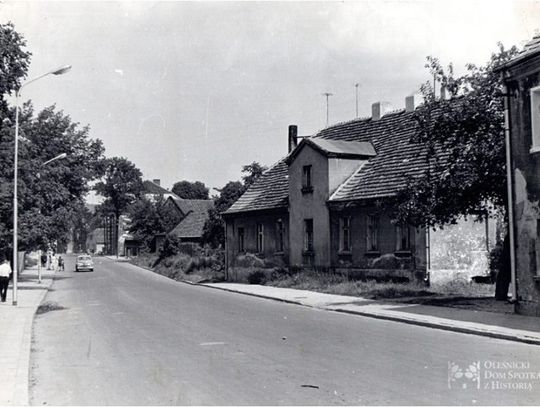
<point>55,262</point>
<point>60,263</point>
<point>5,273</point>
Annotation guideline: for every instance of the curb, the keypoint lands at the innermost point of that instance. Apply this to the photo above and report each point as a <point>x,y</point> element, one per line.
<point>452,328</point>
<point>22,379</point>
<point>433,325</point>
<point>266,297</point>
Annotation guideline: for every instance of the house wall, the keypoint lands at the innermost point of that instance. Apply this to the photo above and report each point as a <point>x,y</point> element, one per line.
<point>311,205</point>
<point>387,261</point>
<point>526,184</point>
<point>270,255</point>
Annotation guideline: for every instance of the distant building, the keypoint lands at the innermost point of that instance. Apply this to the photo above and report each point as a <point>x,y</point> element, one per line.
<point>125,242</point>
<point>153,190</point>
<point>522,78</point>
<point>191,214</point>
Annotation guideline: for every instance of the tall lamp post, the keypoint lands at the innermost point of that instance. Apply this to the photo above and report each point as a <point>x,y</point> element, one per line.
<point>58,157</point>
<point>58,71</point>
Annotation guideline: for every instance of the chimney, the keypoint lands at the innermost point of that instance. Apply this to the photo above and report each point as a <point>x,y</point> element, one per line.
<point>379,109</point>
<point>293,137</point>
<point>412,102</point>
<point>157,181</point>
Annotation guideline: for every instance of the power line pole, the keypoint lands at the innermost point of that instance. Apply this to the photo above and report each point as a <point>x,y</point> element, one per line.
<point>327,94</point>
<point>356,86</point>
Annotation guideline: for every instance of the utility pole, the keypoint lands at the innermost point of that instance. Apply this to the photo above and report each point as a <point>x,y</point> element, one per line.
<point>327,94</point>
<point>356,86</point>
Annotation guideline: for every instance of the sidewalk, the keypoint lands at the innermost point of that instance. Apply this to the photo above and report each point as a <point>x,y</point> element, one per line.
<point>16,335</point>
<point>492,324</point>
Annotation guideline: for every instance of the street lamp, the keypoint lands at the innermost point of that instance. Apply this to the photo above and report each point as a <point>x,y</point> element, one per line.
<point>58,157</point>
<point>58,71</point>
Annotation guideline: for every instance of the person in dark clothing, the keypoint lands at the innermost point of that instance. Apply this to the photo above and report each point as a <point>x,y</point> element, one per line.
<point>43,260</point>
<point>5,272</point>
<point>60,263</point>
<point>504,274</point>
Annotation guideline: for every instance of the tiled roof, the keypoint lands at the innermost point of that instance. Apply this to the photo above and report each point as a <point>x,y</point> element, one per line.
<point>152,188</point>
<point>270,191</point>
<point>396,159</point>
<point>336,148</point>
<point>383,175</point>
<point>530,49</point>
<point>196,213</point>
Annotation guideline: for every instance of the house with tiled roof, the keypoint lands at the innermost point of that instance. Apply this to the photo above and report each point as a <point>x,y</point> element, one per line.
<point>522,79</point>
<point>153,190</point>
<point>189,216</point>
<point>320,206</point>
<point>193,215</point>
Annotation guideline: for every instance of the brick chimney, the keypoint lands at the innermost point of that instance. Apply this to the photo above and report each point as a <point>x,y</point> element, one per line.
<point>157,181</point>
<point>412,102</point>
<point>293,137</point>
<point>379,109</point>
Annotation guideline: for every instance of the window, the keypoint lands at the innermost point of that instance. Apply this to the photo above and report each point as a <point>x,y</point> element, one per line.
<point>241,240</point>
<point>372,233</point>
<point>260,238</point>
<point>403,238</point>
<point>345,234</point>
<point>308,235</point>
<point>306,179</point>
<point>535,119</point>
<point>280,231</point>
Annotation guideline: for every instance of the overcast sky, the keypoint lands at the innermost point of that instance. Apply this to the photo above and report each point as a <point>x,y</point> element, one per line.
<point>196,90</point>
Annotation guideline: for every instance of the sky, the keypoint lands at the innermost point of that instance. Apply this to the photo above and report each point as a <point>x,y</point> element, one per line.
<point>196,90</point>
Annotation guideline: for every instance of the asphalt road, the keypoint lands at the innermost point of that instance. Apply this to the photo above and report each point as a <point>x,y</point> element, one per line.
<point>128,336</point>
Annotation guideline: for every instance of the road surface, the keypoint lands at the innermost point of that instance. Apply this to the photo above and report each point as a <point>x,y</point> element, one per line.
<point>124,335</point>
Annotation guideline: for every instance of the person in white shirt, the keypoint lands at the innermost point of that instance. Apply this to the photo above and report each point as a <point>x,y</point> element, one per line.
<point>5,271</point>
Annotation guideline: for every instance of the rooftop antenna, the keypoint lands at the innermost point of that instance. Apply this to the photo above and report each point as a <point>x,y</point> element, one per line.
<point>327,94</point>
<point>356,85</point>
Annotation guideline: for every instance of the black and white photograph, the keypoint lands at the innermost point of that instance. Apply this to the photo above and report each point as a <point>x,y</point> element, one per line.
<point>269,203</point>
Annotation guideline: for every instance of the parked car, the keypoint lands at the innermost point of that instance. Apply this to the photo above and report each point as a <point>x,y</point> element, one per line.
<point>84,262</point>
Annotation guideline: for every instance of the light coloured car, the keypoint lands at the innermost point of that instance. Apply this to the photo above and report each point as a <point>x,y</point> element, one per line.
<point>84,262</point>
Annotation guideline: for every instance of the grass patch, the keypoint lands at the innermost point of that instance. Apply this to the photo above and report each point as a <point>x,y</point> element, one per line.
<point>183,266</point>
<point>339,284</point>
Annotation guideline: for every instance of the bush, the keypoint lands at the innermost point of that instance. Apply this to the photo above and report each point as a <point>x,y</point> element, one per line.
<point>171,246</point>
<point>257,277</point>
<point>249,260</point>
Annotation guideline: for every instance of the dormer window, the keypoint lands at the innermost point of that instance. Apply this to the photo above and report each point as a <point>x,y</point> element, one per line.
<point>306,179</point>
<point>535,119</point>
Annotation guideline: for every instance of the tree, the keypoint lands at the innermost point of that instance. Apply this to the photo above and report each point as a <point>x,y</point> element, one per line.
<point>149,218</point>
<point>120,186</point>
<point>214,227</point>
<point>228,195</point>
<point>15,61</point>
<point>464,139</point>
<point>83,223</point>
<point>252,171</point>
<point>191,190</point>
<point>48,196</point>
